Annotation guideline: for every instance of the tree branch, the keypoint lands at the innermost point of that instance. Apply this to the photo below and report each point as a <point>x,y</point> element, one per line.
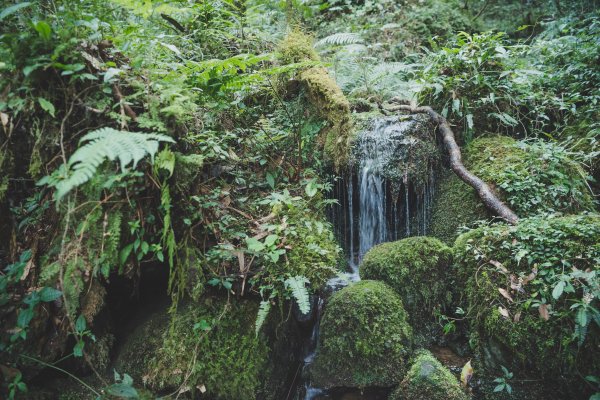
<point>487,195</point>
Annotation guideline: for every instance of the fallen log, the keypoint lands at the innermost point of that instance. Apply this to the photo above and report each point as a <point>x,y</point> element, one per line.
<point>485,192</point>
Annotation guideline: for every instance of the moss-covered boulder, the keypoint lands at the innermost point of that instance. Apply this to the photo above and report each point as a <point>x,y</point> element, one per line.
<point>211,343</point>
<point>530,293</point>
<point>428,379</point>
<point>533,177</point>
<point>417,268</point>
<point>364,338</point>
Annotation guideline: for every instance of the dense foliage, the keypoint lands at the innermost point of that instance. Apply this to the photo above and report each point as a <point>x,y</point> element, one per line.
<point>190,148</point>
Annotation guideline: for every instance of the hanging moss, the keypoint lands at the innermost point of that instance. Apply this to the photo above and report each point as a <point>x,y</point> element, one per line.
<point>417,268</point>
<point>508,278</point>
<point>533,177</point>
<point>297,46</point>
<point>324,96</point>
<point>213,342</point>
<point>364,338</point>
<point>428,379</point>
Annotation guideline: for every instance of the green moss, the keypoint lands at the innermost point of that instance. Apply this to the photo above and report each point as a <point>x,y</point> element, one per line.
<point>314,252</point>
<point>456,205</point>
<point>327,98</point>
<point>527,262</point>
<point>213,342</point>
<point>364,338</point>
<point>417,269</point>
<point>533,177</point>
<point>296,47</point>
<point>324,96</point>
<point>428,379</point>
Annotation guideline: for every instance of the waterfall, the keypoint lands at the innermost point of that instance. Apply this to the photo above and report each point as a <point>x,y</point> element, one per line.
<point>376,202</point>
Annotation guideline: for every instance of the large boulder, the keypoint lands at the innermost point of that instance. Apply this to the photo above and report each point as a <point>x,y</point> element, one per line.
<point>364,338</point>
<point>210,344</point>
<point>428,379</point>
<point>532,177</point>
<point>530,291</point>
<point>417,268</point>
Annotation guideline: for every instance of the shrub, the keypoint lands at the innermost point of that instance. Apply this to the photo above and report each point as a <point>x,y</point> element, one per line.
<point>531,295</point>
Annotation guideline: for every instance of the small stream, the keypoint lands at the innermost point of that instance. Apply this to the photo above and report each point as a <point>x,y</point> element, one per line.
<point>372,209</point>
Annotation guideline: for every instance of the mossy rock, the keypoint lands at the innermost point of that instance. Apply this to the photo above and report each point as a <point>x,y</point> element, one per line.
<point>532,177</point>
<point>505,273</point>
<point>417,268</point>
<point>212,341</point>
<point>364,338</point>
<point>428,379</point>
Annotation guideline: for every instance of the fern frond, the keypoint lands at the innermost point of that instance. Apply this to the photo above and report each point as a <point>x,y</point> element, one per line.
<point>99,145</point>
<point>263,313</point>
<point>297,285</point>
<point>340,39</point>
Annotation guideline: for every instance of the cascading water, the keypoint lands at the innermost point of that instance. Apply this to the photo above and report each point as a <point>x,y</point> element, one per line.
<point>387,206</point>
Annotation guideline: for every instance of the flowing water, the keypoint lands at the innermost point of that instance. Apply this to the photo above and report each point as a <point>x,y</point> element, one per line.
<point>376,204</point>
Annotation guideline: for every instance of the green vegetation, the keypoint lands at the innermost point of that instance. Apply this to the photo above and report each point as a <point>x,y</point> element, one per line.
<point>211,344</point>
<point>418,269</point>
<point>194,147</point>
<point>531,292</point>
<point>364,340</point>
<point>533,177</point>
<point>427,378</point>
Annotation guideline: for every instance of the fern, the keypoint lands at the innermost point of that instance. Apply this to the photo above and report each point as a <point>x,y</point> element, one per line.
<point>297,285</point>
<point>263,312</point>
<point>340,39</point>
<point>102,144</point>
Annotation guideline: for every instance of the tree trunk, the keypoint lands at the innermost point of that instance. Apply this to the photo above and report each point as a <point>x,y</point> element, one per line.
<point>487,195</point>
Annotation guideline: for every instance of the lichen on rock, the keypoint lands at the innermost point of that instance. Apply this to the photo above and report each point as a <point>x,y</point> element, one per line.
<point>364,339</point>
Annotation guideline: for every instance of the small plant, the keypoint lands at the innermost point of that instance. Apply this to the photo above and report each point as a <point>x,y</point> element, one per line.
<point>502,382</point>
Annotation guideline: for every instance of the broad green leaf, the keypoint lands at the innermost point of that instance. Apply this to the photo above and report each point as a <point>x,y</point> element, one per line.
<point>80,324</point>
<point>311,188</point>
<point>270,180</point>
<point>558,290</point>
<point>47,106</point>
<point>13,9</point>
<point>78,349</point>
<point>122,390</point>
<point>44,30</point>
<point>49,294</point>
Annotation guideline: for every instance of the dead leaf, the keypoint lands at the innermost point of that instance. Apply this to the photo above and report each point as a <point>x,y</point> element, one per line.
<point>241,260</point>
<point>517,317</point>
<point>544,313</point>
<point>504,312</point>
<point>4,118</point>
<point>531,276</point>
<point>498,265</point>
<point>466,374</point>
<point>505,294</point>
<point>27,269</point>
<point>201,388</point>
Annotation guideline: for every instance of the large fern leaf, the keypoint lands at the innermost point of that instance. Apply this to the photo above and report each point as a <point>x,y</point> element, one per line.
<point>297,284</point>
<point>263,313</point>
<point>98,146</point>
<point>340,39</point>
